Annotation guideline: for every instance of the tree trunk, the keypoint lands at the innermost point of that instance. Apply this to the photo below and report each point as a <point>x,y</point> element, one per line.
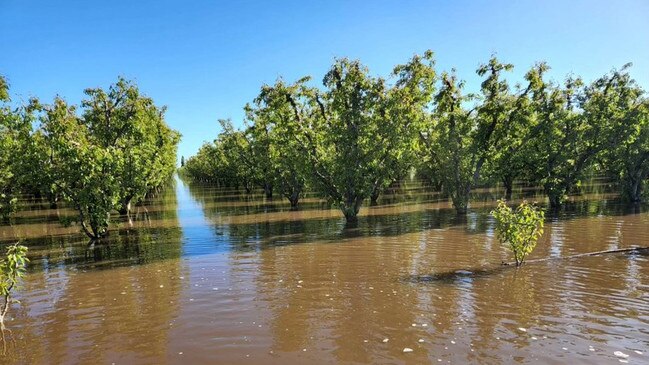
<point>351,208</point>
<point>98,230</point>
<point>374,198</point>
<point>294,198</point>
<point>555,201</point>
<point>633,189</point>
<point>268,190</point>
<point>461,209</point>
<point>125,209</point>
<point>461,200</point>
<point>555,195</point>
<point>508,183</point>
<point>53,199</point>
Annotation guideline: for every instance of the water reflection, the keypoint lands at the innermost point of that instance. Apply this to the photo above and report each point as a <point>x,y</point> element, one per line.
<point>215,276</point>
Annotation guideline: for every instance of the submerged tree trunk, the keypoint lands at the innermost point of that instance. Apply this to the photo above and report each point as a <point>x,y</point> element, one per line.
<point>97,230</point>
<point>268,190</point>
<point>294,198</point>
<point>461,209</point>
<point>555,201</point>
<point>125,209</point>
<point>53,199</point>
<point>374,197</point>
<point>460,199</point>
<point>633,189</point>
<point>508,183</point>
<point>556,194</point>
<point>351,207</point>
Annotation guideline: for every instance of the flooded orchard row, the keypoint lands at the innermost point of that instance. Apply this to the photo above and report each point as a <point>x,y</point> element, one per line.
<point>206,275</point>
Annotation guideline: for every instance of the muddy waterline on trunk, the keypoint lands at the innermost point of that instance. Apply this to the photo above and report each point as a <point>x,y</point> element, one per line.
<point>206,275</point>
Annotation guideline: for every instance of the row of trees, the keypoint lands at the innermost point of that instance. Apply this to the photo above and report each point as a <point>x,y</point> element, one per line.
<point>101,157</point>
<point>358,134</point>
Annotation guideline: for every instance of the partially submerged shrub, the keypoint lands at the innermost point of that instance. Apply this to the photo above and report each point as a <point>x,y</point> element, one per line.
<point>519,228</point>
<point>12,268</point>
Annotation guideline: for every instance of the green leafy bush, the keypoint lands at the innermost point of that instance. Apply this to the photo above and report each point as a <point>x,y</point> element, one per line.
<point>12,268</point>
<point>519,228</point>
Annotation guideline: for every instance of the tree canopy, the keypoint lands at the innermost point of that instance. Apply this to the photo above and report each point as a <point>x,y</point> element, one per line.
<point>99,158</point>
<point>356,134</point>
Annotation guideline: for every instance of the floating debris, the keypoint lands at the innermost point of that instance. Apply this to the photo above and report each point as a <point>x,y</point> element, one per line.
<point>638,352</point>
<point>620,354</point>
<point>407,349</point>
<point>420,340</point>
<point>522,329</point>
<point>385,340</point>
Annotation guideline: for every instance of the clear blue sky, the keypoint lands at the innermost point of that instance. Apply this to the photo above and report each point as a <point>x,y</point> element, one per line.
<point>206,59</point>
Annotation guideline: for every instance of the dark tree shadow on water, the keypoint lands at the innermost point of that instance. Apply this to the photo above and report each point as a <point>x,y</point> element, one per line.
<point>267,234</point>
<point>455,276</point>
<point>164,237</point>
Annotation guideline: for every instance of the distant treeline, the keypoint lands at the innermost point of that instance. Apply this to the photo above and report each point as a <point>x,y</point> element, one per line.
<point>99,158</point>
<point>358,134</point>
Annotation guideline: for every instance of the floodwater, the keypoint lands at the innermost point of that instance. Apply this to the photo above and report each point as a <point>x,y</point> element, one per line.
<point>210,276</point>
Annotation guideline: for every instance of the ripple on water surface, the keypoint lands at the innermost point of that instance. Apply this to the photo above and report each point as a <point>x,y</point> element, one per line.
<point>204,275</point>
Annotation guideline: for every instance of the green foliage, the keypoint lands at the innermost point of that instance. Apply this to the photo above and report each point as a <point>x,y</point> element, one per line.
<point>15,125</point>
<point>573,126</point>
<point>617,102</point>
<point>450,144</point>
<point>12,268</point>
<point>349,141</point>
<point>519,228</point>
<point>343,140</point>
<point>276,116</point>
<point>357,134</point>
<point>116,152</point>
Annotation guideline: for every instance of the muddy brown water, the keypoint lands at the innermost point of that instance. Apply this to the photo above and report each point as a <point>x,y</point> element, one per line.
<point>210,276</point>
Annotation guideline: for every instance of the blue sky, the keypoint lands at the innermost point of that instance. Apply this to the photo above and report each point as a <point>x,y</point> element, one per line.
<point>205,59</point>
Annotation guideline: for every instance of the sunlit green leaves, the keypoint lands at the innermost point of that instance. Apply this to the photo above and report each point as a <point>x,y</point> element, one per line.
<point>117,151</point>
<point>12,268</point>
<point>519,228</point>
<point>357,134</point>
